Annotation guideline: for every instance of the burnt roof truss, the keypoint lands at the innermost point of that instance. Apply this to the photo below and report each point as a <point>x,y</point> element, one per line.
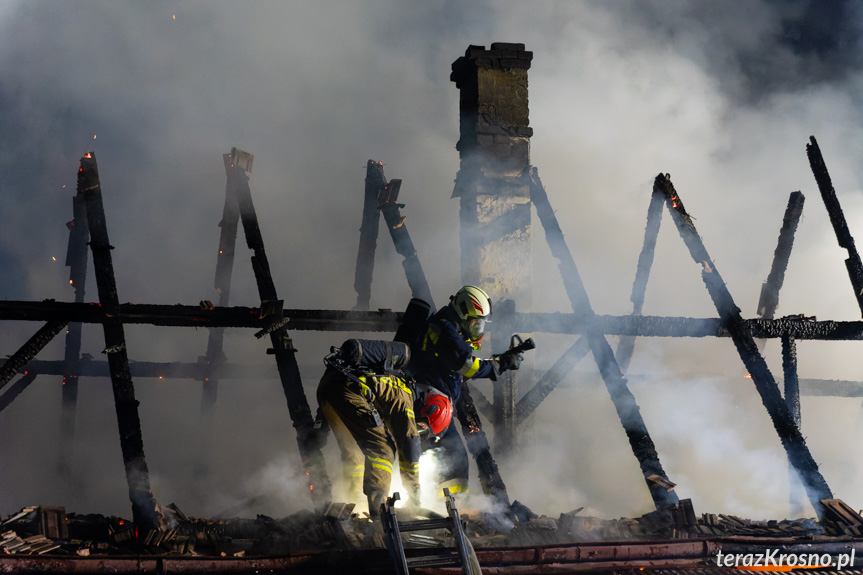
<point>381,197</point>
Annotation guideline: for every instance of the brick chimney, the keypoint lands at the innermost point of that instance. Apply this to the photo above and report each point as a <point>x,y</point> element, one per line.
<point>492,183</point>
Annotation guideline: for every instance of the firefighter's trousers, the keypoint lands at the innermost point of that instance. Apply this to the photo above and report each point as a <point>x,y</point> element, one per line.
<point>347,407</point>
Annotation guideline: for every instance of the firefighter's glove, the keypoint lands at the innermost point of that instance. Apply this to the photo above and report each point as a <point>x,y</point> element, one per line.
<point>350,352</point>
<point>508,361</point>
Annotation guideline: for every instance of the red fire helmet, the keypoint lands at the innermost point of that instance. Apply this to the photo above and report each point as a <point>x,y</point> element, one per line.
<point>438,410</point>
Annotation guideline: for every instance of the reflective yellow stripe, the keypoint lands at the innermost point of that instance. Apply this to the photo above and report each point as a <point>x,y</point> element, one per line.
<point>365,390</point>
<point>397,382</point>
<point>470,367</point>
<point>455,486</point>
<point>410,413</point>
<point>408,466</point>
<point>432,335</point>
<point>358,471</point>
<point>381,464</point>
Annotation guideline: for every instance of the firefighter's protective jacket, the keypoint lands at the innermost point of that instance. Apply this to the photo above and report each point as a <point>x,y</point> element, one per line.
<point>442,358</point>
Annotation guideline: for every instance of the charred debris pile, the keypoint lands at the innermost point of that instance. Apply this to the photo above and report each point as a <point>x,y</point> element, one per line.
<point>50,530</point>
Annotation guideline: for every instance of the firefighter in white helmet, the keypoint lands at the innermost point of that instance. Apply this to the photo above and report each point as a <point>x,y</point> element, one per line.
<point>442,357</point>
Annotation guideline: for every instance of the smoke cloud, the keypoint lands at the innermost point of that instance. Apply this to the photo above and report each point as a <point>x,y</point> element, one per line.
<point>721,96</point>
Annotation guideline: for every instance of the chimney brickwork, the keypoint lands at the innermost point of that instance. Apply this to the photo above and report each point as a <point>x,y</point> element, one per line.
<point>492,182</point>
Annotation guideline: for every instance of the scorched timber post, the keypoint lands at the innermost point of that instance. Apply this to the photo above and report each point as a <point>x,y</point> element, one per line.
<point>215,356</point>
<point>626,345</point>
<point>368,236</point>
<point>224,267</point>
<point>144,510</point>
<point>792,399</point>
<point>792,440</point>
<point>29,350</point>
<point>388,195</point>
<point>769,299</point>
<point>76,259</point>
<point>624,402</point>
<point>837,218</point>
<point>309,440</point>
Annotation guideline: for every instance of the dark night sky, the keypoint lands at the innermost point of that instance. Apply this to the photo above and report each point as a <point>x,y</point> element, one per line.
<point>723,96</point>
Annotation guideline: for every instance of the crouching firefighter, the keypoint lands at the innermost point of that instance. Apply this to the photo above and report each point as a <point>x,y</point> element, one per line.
<point>369,405</point>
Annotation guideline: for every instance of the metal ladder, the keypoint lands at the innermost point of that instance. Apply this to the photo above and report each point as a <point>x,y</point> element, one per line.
<point>393,529</point>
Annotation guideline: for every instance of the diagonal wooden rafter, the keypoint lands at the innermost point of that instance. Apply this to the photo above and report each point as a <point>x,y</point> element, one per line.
<point>783,421</point>
<point>624,401</point>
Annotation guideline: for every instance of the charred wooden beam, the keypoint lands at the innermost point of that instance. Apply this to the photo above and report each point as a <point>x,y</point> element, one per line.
<point>196,316</point>
<point>792,381</point>
<point>214,356</point>
<point>229,225</point>
<point>792,399</point>
<point>830,387</point>
<point>309,440</point>
<point>29,350</point>
<point>626,345</point>
<point>783,421</point>
<point>477,443</point>
<point>387,198</point>
<point>144,511</point>
<point>656,326</point>
<point>624,402</point>
<point>76,260</point>
<point>159,370</point>
<point>837,218</point>
<point>483,405</point>
<point>385,320</point>
<point>368,235</point>
<point>769,300</point>
<point>531,400</point>
<point>16,389</point>
<point>504,390</point>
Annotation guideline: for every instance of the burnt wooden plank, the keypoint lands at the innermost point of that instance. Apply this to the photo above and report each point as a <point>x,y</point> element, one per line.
<point>388,320</point>
<point>368,235</point>
<point>76,260</point>
<point>626,345</point>
<point>837,218</point>
<point>550,379</point>
<point>792,399</point>
<point>477,443</point>
<point>29,350</point>
<point>144,510</point>
<point>309,439</point>
<point>401,238</point>
<point>769,299</point>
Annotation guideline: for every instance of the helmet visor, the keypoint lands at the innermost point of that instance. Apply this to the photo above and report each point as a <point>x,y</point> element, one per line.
<point>475,327</point>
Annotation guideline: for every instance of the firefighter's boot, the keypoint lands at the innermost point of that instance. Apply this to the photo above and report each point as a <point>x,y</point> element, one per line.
<point>376,501</point>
